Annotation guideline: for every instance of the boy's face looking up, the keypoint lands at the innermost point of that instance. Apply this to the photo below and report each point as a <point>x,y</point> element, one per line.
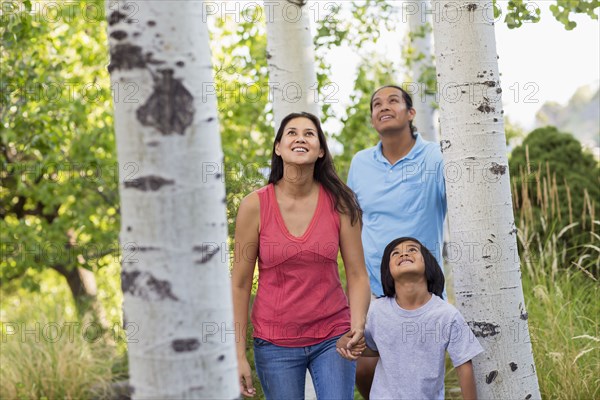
<point>406,258</point>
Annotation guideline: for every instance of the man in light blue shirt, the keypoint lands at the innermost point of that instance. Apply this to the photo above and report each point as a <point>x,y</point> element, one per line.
<point>400,186</point>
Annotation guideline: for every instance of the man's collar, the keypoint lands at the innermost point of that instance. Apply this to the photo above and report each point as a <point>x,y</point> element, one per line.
<point>416,149</point>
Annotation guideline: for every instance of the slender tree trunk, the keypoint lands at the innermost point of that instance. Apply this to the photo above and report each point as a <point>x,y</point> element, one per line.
<point>82,284</point>
<point>290,55</point>
<point>292,76</point>
<point>420,25</point>
<point>483,250</point>
<point>173,231</point>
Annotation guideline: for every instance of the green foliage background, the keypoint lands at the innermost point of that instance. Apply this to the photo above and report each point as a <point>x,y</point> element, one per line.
<point>58,200</point>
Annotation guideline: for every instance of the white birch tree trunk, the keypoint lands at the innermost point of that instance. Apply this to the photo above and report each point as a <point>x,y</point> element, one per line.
<point>420,26</point>
<point>292,75</point>
<point>177,305</point>
<point>291,59</point>
<point>483,251</point>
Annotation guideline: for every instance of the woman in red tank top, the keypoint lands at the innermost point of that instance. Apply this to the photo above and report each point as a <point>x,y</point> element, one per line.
<point>294,228</point>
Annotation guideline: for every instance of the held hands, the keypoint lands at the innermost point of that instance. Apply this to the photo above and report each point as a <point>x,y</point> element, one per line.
<point>351,345</point>
<point>245,378</point>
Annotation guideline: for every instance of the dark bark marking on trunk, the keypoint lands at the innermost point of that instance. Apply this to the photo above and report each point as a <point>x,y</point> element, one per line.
<point>170,108</point>
<point>513,231</point>
<point>207,251</point>
<point>486,257</point>
<point>489,378</point>
<point>499,90</point>
<point>146,286</point>
<point>513,366</point>
<point>445,145</point>
<point>483,329</point>
<point>490,83</point>
<point>524,316</point>
<point>115,17</point>
<point>151,23</point>
<point>154,143</point>
<point>221,357</point>
<point>465,294</point>
<point>470,158</point>
<point>143,248</point>
<point>162,288</point>
<point>136,34</point>
<point>224,201</point>
<point>488,266</point>
<point>508,287</point>
<point>127,279</point>
<point>180,63</point>
<point>498,169</point>
<point>299,3</point>
<point>126,56</point>
<point>128,229</point>
<point>485,107</point>
<point>528,397</point>
<point>151,60</point>
<point>183,345</point>
<point>119,35</point>
<point>148,183</point>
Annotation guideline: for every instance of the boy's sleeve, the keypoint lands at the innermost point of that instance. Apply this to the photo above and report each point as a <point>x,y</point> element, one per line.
<point>370,330</point>
<point>462,345</point>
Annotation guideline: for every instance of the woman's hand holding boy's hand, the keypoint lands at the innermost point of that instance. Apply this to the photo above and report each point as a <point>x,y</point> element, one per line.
<point>351,345</point>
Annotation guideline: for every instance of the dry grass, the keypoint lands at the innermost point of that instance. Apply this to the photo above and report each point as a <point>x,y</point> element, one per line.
<point>45,356</point>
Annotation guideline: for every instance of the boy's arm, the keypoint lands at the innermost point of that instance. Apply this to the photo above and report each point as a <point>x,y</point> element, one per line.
<point>370,353</point>
<point>466,379</point>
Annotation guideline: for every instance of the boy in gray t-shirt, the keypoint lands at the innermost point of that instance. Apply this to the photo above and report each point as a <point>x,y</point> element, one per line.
<point>412,327</point>
<point>412,345</point>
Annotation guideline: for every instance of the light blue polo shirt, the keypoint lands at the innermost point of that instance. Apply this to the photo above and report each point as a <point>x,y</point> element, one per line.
<point>404,199</point>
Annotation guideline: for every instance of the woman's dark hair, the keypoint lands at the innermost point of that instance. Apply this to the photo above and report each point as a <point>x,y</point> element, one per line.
<point>344,198</point>
<point>433,272</point>
<point>405,96</point>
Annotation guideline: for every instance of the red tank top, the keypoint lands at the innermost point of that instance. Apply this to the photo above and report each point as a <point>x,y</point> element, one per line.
<point>300,300</point>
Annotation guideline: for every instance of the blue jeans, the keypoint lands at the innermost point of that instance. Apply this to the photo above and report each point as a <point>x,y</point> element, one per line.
<point>282,371</point>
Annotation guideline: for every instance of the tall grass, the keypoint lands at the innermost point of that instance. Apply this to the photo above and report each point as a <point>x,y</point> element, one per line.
<point>47,353</point>
<point>46,356</point>
<point>560,283</point>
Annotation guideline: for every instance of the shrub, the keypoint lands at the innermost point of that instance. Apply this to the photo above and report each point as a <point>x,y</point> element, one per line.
<point>555,184</point>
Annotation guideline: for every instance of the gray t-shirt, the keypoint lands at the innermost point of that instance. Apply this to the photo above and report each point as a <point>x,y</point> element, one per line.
<point>412,346</point>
